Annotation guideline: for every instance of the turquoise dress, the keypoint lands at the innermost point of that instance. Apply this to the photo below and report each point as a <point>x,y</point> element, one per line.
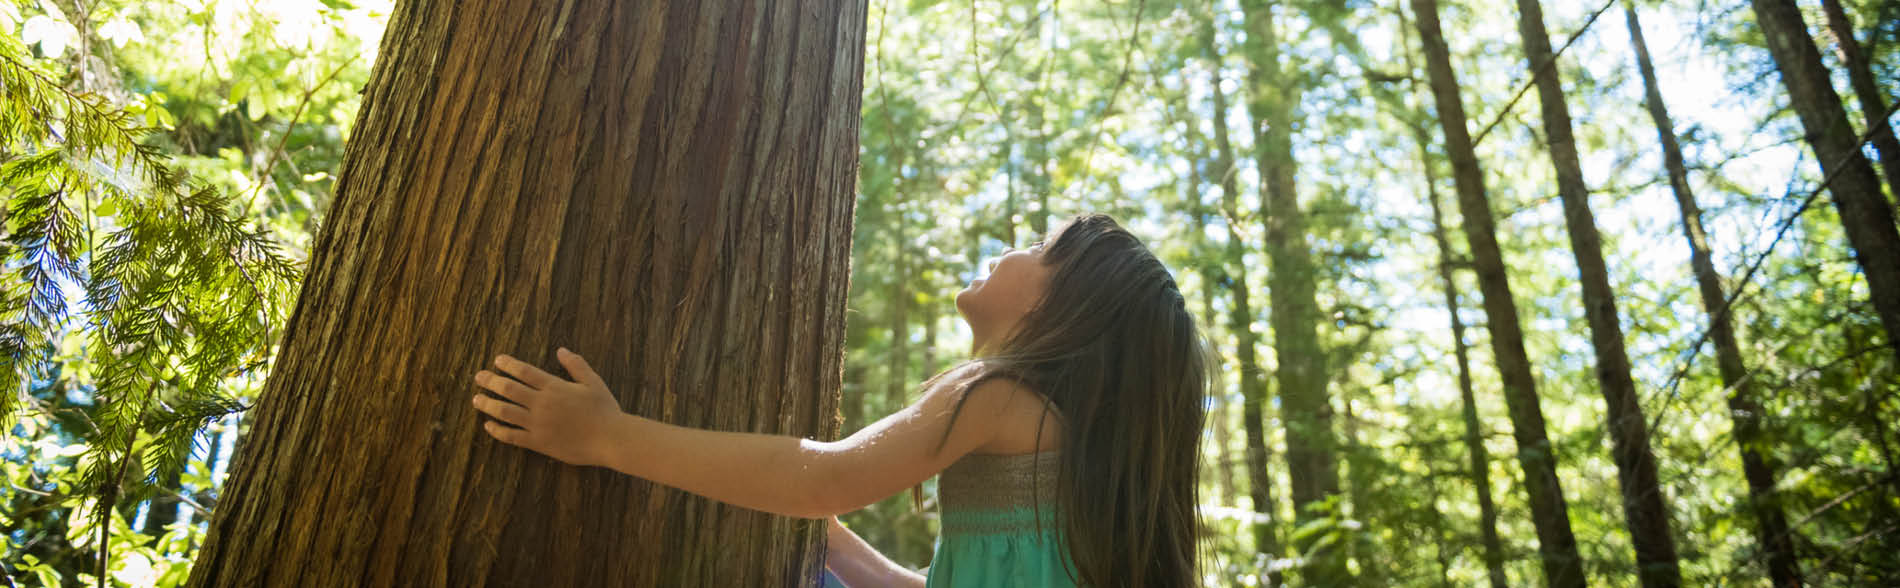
<point>990,535</point>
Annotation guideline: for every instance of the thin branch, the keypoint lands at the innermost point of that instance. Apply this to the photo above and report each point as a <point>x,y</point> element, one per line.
<point>270,162</point>
<point>1546,66</point>
<point>1095,138</point>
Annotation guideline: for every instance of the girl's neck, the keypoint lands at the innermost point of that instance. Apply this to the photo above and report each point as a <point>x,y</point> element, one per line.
<point>980,343</point>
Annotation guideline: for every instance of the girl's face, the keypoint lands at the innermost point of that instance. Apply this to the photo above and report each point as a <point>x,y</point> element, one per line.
<point>994,304</point>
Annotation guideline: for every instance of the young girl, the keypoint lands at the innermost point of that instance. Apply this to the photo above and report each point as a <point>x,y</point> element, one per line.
<point>1068,446</point>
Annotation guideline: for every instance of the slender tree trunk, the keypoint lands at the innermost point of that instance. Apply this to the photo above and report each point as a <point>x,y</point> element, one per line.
<point>1224,441</point>
<point>1223,408</point>
<point>1201,212</point>
<point>1305,406</point>
<point>1873,102</point>
<point>1863,211</point>
<point>852,395</point>
<point>665,188</point>
<point>1240,321</point>
<point>1776,544</point>
<point>1645,510</point>
<point>897,384</point>
<point>1038,150</point>
<point>1439,551</point>
<point>203,496</point>
<point>1359,476</point>
<point>1011,198</point>
<point>930,341</point>
<point>1556,544</point>
<point>1480,458</point>
<point>162,510</point>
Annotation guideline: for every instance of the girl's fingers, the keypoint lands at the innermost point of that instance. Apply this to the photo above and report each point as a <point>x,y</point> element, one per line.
<point>505,387</point>
<point>504,433</point>
<point>577,367</point>
<point>527,373</point>
<point>502,411</point>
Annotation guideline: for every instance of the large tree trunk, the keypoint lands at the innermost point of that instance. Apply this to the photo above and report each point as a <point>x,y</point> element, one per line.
<point>1240,321</point>
<point>1873,102</point>
<point>1306,410</point>
<point>1645,511</point>
<point>1549,512</point>
<point>665,188</point>
<point>1776,544</point>
<point>1863,211</point>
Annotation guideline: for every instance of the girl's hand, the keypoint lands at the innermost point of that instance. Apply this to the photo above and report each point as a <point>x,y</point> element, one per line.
<point>566,420</point>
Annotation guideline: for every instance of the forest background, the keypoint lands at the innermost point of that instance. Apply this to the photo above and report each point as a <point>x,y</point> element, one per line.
<point>1288,160</point>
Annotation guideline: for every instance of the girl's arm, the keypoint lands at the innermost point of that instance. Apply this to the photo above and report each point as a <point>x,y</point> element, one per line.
<point>859,565</point>
<point>579,422</point>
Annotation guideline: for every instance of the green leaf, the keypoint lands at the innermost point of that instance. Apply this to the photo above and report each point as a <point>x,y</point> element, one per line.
<point>240,90</point>
<point>47,575</point>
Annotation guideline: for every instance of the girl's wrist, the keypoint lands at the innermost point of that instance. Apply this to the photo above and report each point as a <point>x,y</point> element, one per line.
<point>613,440</point>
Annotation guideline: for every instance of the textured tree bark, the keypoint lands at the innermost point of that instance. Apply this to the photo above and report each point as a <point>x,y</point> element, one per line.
<point>1873,102</point>
<point>1776,544</point>
<point>1645,509</point>
<point>1863,211</point>
<point>1556,544</point>
<point>1305,405</point>
<point>666,188</point>
<point>1253,391</point>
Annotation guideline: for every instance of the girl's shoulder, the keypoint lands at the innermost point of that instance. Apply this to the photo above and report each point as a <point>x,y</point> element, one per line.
<point>1024,420</point>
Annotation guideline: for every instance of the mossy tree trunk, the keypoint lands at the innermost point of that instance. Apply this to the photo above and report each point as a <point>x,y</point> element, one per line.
<point>1306,409</point>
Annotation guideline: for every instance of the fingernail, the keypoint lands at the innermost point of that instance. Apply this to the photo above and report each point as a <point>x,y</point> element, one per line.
<point>564,352</point>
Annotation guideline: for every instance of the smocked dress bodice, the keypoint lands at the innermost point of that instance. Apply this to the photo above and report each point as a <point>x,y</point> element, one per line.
<point>1000,523</point>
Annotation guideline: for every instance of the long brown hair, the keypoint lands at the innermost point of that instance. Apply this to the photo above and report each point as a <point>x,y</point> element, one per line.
<point>1112,349</point>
